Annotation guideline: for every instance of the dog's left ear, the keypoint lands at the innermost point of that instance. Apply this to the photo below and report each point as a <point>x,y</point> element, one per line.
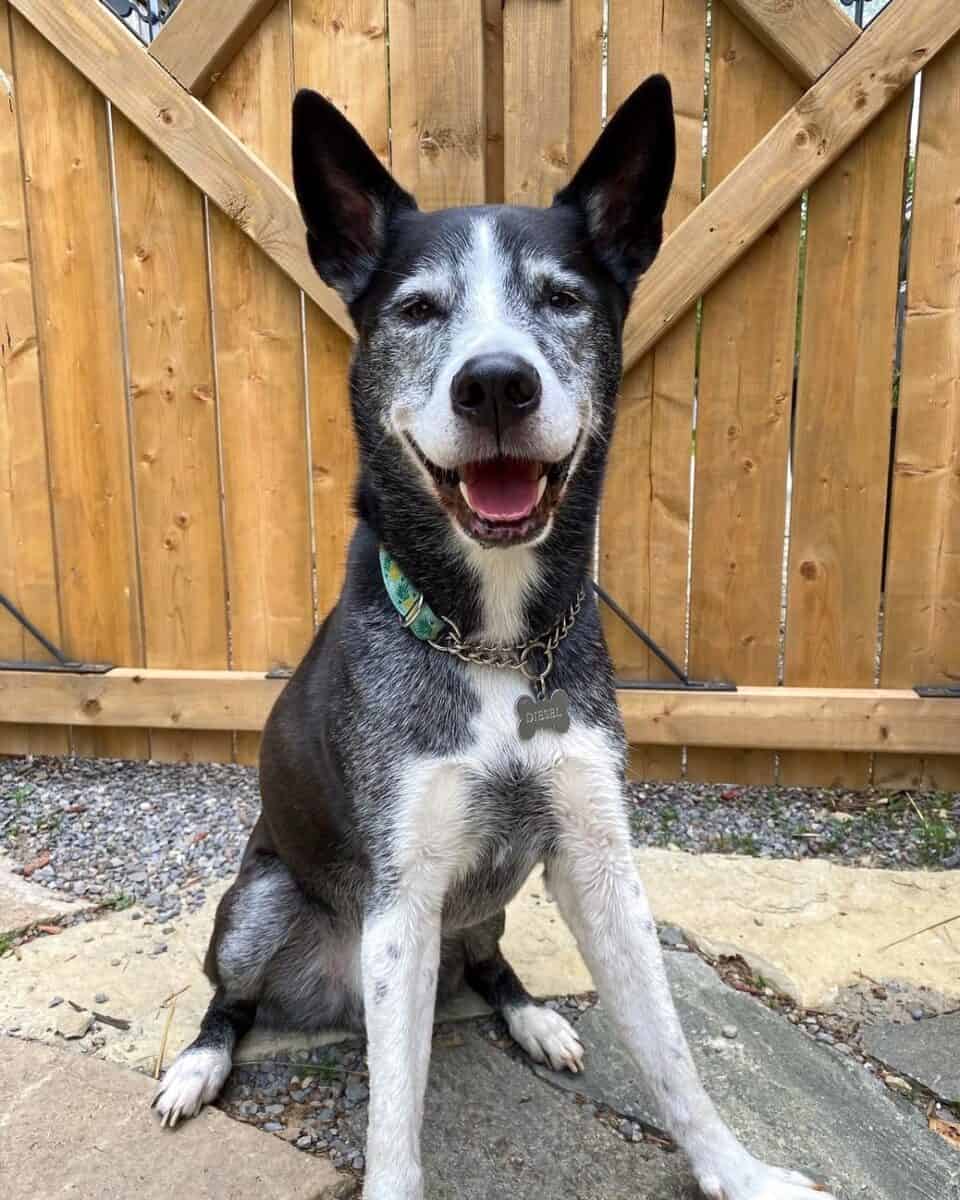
<point>347,197</point>
<point>623,184</point>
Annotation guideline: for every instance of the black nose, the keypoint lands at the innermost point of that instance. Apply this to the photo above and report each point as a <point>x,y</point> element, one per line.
<point>495,391</point>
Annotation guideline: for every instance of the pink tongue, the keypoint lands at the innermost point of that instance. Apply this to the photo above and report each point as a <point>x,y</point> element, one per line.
<point>501,489</point>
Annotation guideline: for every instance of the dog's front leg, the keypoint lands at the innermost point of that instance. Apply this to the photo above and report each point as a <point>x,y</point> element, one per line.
<point>596,885</point>
<point>400,960</point>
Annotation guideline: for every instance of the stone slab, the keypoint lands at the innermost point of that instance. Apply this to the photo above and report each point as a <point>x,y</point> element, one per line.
<point>927,1052</point>
<point>114,955</point>
<point>492,1130</point>
<point>77,1127</point>
<point>793,1101</point>
<point>23,903</point>
<point>811,927</point>
<point>808,927</point>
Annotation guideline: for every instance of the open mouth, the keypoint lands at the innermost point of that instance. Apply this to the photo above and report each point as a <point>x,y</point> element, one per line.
<point>501,500</point>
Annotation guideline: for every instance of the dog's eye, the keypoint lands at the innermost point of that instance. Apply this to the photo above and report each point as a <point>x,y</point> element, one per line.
<point>563,300</point>
<point>420,309</point>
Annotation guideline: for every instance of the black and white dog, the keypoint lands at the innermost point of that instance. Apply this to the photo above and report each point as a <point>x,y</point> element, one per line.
<point>415,771</point>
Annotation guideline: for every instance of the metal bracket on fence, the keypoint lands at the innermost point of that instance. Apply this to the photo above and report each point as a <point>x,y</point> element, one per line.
<point>938,691</point>
<point>681,681</point>
<point>280,673</point>
<point>62,664</point>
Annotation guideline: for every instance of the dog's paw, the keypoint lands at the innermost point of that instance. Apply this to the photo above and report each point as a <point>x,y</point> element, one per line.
<point>545,1036</point>
<point>754,1180</point>
<point>194,1079</point>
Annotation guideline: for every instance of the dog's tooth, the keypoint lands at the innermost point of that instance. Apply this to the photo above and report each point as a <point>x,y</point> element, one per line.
<point>465,494</point>
<point>541,488</point>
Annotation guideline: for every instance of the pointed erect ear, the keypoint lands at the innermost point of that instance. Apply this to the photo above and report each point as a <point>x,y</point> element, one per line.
<point>346,195</point>
<point>623,184</point>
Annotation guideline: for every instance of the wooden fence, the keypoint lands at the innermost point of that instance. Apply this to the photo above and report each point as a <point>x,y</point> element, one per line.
<point>175,453</point>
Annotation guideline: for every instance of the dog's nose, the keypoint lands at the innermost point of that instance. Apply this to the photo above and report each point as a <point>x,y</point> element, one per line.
<point>495,391</point>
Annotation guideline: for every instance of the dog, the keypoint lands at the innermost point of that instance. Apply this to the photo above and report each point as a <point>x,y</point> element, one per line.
<point>454,724</point>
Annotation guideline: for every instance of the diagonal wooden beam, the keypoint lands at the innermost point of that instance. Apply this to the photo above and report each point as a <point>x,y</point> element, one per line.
<point>808,36</point>
<point>103,50</point>
<point>201,37</point>
<point>796,152</point>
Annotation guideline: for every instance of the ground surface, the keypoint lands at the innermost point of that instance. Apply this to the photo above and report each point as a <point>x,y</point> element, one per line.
<point>826,1028</point>
<point>159,833</point>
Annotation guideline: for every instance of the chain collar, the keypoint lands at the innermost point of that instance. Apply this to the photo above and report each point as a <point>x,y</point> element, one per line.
<point>533,658</point>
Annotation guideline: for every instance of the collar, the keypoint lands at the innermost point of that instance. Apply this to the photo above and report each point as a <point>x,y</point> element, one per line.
<point>415,613</point>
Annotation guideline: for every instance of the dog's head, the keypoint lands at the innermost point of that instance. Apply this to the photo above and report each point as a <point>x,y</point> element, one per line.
<point>488,351</point>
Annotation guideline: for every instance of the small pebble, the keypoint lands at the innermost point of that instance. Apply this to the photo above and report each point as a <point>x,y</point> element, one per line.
<point>272,1127</point>
<point>729,1031</point>
<point>55,1001</point>
<point>917,1014</point>
<point>101,998</point>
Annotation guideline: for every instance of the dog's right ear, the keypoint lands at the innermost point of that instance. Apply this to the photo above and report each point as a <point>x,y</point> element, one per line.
<point>346,195</point>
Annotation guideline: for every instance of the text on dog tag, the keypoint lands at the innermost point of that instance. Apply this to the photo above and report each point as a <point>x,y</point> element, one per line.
<point>553,712</point>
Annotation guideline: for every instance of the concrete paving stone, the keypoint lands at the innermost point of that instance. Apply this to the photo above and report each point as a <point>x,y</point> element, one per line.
<point>73,1126</point>
<point>821,926</point>
<point>793,1102</point>
<point>23,903</point>
<point>926,1051</point>
<point>491,1131</point>
<point>113,955</point>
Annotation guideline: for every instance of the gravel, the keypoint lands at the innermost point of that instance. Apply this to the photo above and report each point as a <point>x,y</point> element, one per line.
<point>150,836</point>
<point>869,829</point>
<point>304,1096</point>
<point>125,833</point>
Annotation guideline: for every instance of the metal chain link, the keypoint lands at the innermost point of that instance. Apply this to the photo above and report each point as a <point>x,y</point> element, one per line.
<point>513,658</point>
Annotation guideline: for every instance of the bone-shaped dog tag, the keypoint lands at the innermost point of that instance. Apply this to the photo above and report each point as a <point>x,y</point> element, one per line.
<point>550,713</point>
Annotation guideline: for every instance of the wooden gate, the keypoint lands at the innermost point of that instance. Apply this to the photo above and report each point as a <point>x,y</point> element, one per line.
<point>175,454</point>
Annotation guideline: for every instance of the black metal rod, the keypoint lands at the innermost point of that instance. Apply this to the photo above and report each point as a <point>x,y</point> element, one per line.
<point>641,634</point>
<point>31,628</point>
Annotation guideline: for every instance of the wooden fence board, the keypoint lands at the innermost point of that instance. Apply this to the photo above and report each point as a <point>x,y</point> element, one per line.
<point>341,51</point>
<point>173,424</point>
<point>493,103</point>
<point>259,349</point>
<point>842,429</point>
<point>644,524</point>
<point>27,569</point>
<point>921,641</point>
<point>885,720</point>
<point>793,155</point>
<point>253,197</point>
<point>451,101</point>
<point>201,37</point>
<point>807,36</point>
<point>69,204</point>
<point>743,412</point>
<point>586,78</point>
<point>536,80</point>
<point>403,67</point>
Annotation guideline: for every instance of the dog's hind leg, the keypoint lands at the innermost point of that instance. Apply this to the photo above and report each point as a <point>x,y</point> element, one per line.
<point>200,1071</point>
<point>543,1033</point>
<point>253,920</point>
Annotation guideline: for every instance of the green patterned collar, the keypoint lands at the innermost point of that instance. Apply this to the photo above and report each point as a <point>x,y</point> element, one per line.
<point>415,613</point>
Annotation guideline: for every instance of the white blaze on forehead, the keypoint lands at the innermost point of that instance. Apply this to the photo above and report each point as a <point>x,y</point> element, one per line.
<point>486,271</point>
